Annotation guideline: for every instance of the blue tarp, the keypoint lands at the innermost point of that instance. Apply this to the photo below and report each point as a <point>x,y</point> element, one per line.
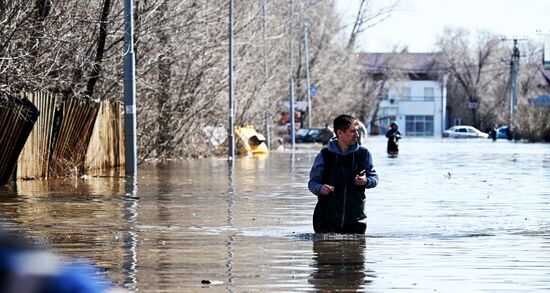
<point>543,100</point>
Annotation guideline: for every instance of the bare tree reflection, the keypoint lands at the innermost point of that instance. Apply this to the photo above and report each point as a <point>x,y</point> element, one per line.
<point>340,263</point>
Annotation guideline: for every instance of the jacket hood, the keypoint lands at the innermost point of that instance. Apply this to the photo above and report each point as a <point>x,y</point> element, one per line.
<point>332,146</point>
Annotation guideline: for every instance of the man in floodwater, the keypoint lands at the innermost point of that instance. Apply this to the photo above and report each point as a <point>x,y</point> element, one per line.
<point>340,174</point>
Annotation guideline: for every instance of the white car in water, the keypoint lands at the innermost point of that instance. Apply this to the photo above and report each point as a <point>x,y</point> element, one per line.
<point>464,131</point>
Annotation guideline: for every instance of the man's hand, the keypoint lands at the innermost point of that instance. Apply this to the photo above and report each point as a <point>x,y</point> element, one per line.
<point>326,189</point>
<point>361,180</point>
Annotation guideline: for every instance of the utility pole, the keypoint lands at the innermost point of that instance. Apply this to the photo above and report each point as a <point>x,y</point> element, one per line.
<point>129,92</point>
<point>230,131</point>
<point>264,47</point>
<point>443,103</point>
<point>291,75</point>
<point>514,70</point>
<point>266,72</point>
<point>308,83</point>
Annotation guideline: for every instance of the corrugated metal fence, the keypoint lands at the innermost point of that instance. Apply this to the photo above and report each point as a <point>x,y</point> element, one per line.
<point>17,117</point>
<point>76,125</point>
<point>35,157</point>
<point>72,137</point>
<point>105,156</point>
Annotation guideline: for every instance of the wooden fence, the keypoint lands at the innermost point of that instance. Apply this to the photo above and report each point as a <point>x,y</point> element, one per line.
<point>17,118</point>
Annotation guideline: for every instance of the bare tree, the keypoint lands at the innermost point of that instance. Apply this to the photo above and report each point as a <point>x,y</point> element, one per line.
<point>76,47</point>
<point>530,77</point>
<point>476,68</point>
<point>333,69</point>
<point>532,121</point>
<point>368,17</point>
<point>100,50</point>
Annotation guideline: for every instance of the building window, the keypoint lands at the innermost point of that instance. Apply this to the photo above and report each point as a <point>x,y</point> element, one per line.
<point>420,125</point>
<point>405,93</point>
<point>385,122</point>
<point>429,94</point>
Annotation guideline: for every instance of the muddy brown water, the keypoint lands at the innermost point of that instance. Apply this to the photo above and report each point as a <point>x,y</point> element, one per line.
<point>447,216</point>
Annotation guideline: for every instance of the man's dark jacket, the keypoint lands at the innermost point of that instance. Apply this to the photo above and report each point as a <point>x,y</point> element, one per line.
<point>343,210</point>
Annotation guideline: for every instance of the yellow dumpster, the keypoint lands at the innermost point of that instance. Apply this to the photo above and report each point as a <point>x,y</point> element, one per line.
<point>250,141</point>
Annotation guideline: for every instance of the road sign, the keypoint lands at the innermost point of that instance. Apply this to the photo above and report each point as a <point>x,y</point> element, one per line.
<point>313,90</point>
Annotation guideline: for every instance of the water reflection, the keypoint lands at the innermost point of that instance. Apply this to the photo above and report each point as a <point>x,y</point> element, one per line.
<point>230,218</point>
<point>130,237</point>
<point>73,216</point>
<point>162,202</point>
<point>339,263</point>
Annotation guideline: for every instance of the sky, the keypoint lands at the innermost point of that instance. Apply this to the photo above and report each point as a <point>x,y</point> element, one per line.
<point>417,23</point>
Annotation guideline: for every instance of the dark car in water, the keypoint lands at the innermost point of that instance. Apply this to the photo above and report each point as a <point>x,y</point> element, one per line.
<point>502,132</point>
<point>311,135</point>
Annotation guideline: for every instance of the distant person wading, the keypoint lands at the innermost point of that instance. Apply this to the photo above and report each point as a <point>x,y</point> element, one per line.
<point>340,174</point>
<point>393,136</point>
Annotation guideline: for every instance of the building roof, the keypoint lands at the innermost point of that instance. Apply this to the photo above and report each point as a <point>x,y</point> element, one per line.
<point>408,63</point>
<point>545,74</point>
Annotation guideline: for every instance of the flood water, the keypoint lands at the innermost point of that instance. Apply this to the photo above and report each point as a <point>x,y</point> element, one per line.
<point>447,216</point>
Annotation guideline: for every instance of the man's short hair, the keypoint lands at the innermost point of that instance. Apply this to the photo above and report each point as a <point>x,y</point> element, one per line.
<point>343,122</point>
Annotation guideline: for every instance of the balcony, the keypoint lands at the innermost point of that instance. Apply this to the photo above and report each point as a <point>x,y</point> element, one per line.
<point>396,99</point>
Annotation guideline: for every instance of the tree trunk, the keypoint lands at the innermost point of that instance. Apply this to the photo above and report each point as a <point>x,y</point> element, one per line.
<point>164,76</point>
<point>96,67</point>
<point>42,9</point>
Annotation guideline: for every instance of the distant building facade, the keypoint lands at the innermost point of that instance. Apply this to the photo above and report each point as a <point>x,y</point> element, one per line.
<point>416,100</point>
<point>543,84</point>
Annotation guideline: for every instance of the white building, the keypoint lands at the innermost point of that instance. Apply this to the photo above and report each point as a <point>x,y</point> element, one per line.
<point>417,101</point>
<point>418,107</point>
